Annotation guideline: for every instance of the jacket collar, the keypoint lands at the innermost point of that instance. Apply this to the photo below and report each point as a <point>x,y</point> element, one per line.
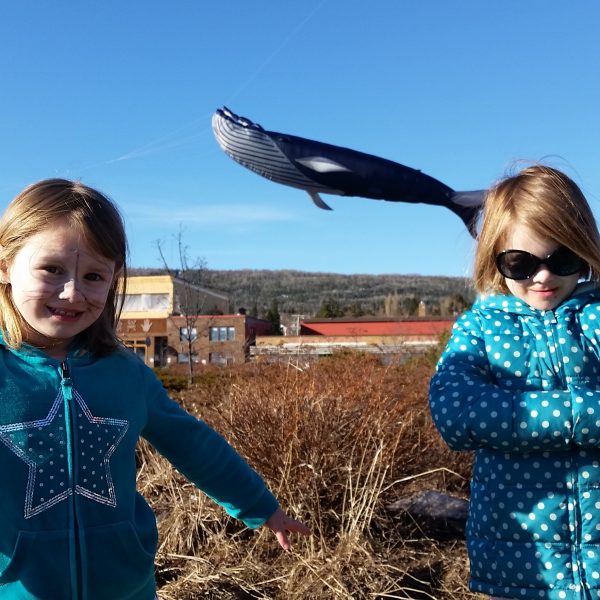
<point>32,354</point>
<point>585,293</point>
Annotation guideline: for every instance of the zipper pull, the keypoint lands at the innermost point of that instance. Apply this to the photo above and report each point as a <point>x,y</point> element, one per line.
<point>65,373</point>
<point>65,383</point>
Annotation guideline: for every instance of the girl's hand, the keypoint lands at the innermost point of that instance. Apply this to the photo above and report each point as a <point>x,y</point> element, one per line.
<point>280,524</point>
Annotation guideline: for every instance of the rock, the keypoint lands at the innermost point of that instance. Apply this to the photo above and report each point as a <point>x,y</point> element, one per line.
<point>441,514</point>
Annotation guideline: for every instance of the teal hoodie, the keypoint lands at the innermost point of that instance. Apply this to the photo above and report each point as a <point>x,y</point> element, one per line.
<point>72,525</point>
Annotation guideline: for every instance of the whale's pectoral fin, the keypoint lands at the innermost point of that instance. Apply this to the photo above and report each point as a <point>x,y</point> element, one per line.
<point>314,196</point>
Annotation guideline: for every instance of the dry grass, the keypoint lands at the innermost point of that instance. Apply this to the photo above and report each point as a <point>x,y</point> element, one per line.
<point>336,441</point>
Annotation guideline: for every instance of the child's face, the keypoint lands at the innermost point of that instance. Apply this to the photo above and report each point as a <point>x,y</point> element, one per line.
<point>543,290</point>
<point>59,285</point>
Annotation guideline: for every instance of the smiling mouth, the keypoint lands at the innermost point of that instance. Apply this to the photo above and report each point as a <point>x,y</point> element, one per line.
<point>64,314</point>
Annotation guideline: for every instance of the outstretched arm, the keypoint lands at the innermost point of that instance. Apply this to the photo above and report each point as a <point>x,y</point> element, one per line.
<point>280,524</point>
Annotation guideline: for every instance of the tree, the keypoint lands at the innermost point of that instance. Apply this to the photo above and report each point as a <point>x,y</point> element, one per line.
<point>391,305</point>
<point>457,304</point>
<point>330,309</point>
<point>355,310</point>
<point>190,299</point>
<point>274,317</point>
<point>410,305</point>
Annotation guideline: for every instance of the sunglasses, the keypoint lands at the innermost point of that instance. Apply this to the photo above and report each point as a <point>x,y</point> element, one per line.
<point>518,264</point>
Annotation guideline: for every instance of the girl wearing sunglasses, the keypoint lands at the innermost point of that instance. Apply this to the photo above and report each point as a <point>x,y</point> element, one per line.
<point>519,383</point>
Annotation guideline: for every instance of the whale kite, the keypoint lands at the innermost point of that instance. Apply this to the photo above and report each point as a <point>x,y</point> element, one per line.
<point>320,168</point>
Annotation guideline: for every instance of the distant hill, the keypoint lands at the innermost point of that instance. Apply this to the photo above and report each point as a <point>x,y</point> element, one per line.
<point>302,292</point>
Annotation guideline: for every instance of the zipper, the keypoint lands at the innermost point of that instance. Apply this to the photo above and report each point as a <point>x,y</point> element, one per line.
<point>577,522</point>
<point>66,385</point>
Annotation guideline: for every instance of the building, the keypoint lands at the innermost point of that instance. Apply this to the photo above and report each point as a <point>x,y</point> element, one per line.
<point>165,320</point>
<point>386,336</point>
<point>413,328</point>
<point>164,295</point>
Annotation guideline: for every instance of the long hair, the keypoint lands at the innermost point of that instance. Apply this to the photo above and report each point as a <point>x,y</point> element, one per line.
<point>37,208</point>
<point>550,204</point>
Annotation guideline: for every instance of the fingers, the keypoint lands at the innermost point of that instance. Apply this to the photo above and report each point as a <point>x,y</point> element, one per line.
<point>283,540</point>
<point>297,527</point>
<point>280,524</point>
<point>291,526</point>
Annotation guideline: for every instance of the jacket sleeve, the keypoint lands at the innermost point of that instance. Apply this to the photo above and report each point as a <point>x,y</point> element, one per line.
<point>586,416</point>
<point>206,459</point>
<point>471,411</point>
<point>582,367</point>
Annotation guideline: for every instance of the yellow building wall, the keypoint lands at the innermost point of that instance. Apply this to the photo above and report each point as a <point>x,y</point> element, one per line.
<point>149,284</point>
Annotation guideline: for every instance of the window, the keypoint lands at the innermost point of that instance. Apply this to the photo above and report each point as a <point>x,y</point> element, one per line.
<point>222,334</point>
<point>138,347</point>
<point>182,357</point>
<point>218,358</point>
<point>140,302</point>
<point>188,334</point>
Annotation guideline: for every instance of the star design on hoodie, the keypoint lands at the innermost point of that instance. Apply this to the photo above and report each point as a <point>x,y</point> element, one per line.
<point>44,446</point>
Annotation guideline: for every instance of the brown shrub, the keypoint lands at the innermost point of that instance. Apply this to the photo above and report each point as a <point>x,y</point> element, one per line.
<point>337,441</point>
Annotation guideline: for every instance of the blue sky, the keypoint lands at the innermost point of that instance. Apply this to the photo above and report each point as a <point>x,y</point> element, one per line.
<point>120,95</point>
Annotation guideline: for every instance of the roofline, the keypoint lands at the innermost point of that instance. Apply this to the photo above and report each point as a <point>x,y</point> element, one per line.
<point>228,316</point>
<point>379,320</point>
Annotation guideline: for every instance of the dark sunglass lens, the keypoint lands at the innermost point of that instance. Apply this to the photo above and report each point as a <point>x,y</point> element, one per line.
<point>517,264</point>
<point>564,262</point>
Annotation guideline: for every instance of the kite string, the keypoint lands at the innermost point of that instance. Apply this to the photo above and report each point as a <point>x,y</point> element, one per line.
<point>275,52</point>
<point>170,140</point>
<point>166,142</point>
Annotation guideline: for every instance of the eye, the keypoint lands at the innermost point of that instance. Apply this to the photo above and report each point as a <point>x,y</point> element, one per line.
<point>52,269</point>
<point>94,277</point>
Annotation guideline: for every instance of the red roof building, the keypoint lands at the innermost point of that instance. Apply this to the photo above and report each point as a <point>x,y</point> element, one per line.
<point>322,337</point>
<point>383,326</point>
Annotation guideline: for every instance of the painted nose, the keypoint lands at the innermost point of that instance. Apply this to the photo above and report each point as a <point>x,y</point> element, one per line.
<point>71,292</point>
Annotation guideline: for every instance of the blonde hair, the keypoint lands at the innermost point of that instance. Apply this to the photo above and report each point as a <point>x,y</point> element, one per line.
<point>550,204</point>
<point>37,208</point>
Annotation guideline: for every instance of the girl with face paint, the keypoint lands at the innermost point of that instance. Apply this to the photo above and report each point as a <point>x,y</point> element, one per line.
<point>73,404</point>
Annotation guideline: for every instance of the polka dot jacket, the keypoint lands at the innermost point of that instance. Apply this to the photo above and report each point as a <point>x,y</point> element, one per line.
<point>521,387</point>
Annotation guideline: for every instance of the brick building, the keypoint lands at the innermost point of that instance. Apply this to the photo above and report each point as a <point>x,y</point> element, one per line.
<point>156,324</point>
